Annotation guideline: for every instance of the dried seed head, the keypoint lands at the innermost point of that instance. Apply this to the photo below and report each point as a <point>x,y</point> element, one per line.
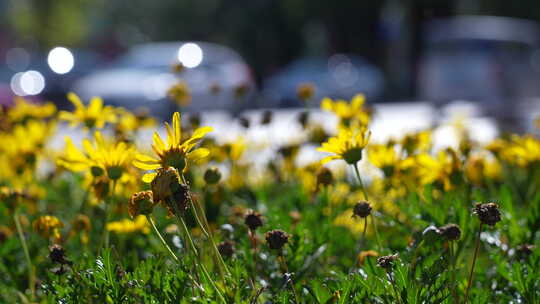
<point>266,117</point>
<point>212,176</point>
<point>141,203</point>
<point>5,233</point>
<point>451,232</point>
<point>305,91</point>
<point>488,213</point>
<point>167,189</point>
<point>276,239</point>
<point>253,220</point>
<point>362,209</point>
<point>387,261</point>
<point>244,121</point>
<point>324,177</point>
<point>226,248</point>
<point>57,254</point>
<point>303,118</point>
<point>81,222</point>
<point>524,250</point>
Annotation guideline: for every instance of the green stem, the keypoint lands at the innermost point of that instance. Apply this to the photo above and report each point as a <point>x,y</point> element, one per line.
<point>151,220</point>
<point>473,263</point>
<point>195,252</point>
<point>367,199</point>
<point>199,213</point>
<point>281,258</point>
<point>453,289</point>
<point>31,275</point>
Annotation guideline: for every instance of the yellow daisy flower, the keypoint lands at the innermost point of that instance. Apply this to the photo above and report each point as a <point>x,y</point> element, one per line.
<point>347,145</point>
<point>348,112</point>
<point>99,157</point>
<point>139,224</point>
<point>93,116</point>
<point>24,110</point>
<point>177,153</point>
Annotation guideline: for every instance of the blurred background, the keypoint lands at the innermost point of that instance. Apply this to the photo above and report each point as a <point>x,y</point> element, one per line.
<point>252,54</point>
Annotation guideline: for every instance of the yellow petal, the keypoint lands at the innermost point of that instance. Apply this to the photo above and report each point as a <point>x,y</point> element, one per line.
<point>146,166</point>
<point>200,132</point>
<point>177,128</point>
<point>75,100</point>
<point>329,159</point>
<point>158,144</point>
<point>149,177</point>
<point>198,154</point>
<point>145,158</point>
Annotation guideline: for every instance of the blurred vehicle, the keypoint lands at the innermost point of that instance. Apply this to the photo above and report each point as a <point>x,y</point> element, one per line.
<point>215,75</point>
<point>339,76</point>
<point>494,61</point>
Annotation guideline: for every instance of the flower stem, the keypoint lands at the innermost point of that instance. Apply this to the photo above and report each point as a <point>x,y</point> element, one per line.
<point>453,271</point>
<point>367,199</point>
<point>31,275</point>
<point>109,201</point>
<point>281,259</point>
<point>473,262</point>
<point>151,220</point>
<point>199,214</point>
<point>195,252</point>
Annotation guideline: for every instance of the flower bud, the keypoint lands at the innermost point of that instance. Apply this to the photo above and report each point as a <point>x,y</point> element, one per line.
<point>212,176</point>
<point>305,91</point>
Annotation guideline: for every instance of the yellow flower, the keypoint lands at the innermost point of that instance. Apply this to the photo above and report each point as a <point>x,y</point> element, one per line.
<point>521,150</point>
<point>24,110</point>
<point>129,122</point>
<point>441,169</point>
<point>94,116</point>
<point>348,112</point>
<point>180,93</point>
<point>347,145</point>
<point>383,157</point>
<point>99,157</point>
<point>48,225</point>
<point>417,142</point>
<point>139,224</point>
<point>479,168</point>
<point>177,153</point>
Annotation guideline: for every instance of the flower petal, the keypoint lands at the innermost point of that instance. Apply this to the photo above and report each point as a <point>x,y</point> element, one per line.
<point>148,177</point>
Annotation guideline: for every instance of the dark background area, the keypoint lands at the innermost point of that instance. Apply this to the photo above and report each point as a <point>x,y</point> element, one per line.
<point>267,33</point>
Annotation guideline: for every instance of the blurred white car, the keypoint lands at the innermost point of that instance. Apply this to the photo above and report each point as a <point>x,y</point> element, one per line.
<point>142,77</point>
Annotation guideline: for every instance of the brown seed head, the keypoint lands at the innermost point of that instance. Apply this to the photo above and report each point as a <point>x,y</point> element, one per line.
<point>253,220</point>
<point>324,177</point>
<point>488,213</point>
<point>451,232</point>
<point>266,117</point>
<point>387,261</point>
<point>57,254</point>
<point>226,248</point>
<point>524,250</point>
<point>212,176</point>
<point>244,122</point>
<point>141,203</point>
<point>362,209</point>
<point>167,189</point>
<point>305,91</point>
<point>276,239</point>
<point>81,222</point>
<point>303,118</point>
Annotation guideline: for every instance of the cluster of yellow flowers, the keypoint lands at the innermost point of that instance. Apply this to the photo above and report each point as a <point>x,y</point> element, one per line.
<point>114,166</point>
